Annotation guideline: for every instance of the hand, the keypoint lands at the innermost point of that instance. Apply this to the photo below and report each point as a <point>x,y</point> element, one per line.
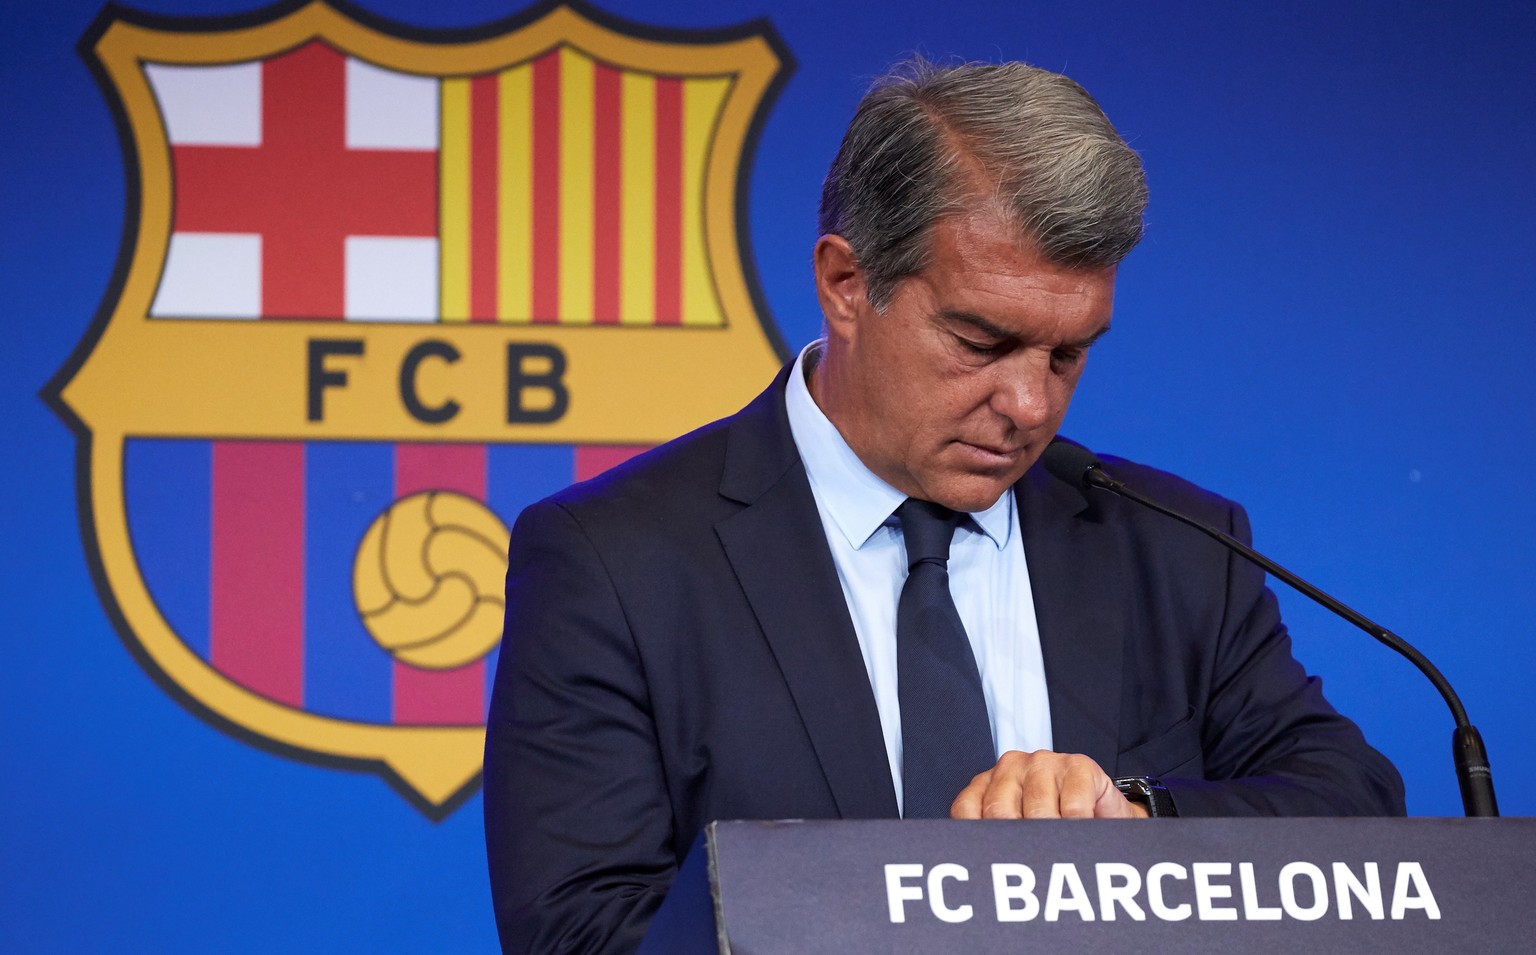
<point>1044,785</point>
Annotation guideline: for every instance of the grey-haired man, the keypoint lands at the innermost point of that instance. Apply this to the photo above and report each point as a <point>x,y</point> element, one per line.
<point>859,597</point>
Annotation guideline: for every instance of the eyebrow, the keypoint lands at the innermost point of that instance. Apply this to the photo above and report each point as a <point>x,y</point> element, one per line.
<point>987,328</point>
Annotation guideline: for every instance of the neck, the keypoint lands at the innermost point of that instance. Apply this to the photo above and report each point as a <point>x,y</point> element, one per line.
<point>827,381</point>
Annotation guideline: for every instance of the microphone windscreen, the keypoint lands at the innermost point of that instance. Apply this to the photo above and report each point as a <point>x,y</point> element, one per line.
<point>1068,461</point>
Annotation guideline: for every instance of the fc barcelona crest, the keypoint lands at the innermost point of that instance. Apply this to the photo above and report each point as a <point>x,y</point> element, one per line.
<point>379,289</point>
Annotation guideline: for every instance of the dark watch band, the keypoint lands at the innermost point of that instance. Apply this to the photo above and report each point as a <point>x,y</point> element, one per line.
<point>1150,793</point>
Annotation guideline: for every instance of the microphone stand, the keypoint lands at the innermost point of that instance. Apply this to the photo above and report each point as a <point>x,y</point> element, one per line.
<point>1472,772</point>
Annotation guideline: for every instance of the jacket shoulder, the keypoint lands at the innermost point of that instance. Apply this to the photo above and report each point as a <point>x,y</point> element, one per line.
<point>1170,489</point>
<point>698,475</point>
<point>683,469</point>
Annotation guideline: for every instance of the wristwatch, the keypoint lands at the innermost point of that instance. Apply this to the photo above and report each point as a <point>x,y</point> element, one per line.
<point>1150,793</point>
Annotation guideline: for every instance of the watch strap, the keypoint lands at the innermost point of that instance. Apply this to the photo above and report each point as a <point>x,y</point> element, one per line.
<point>1149,793</point>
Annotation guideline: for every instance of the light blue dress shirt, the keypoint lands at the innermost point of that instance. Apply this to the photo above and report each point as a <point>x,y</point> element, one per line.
<point>987,573</point>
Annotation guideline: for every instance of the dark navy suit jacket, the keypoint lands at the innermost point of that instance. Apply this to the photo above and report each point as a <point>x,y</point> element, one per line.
<point>678,650</point>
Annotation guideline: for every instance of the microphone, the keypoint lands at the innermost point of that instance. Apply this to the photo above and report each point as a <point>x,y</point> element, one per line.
<point>1077,466</point>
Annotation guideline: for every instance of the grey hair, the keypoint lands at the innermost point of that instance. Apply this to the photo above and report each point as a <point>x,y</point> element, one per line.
<point>929,141</point>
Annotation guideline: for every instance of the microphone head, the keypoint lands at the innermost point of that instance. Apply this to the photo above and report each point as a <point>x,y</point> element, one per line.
<point>1070,462</point>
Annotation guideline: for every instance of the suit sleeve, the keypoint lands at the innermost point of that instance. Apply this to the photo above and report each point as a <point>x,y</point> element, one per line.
<point>577,818</point>
<point>1272,744</point>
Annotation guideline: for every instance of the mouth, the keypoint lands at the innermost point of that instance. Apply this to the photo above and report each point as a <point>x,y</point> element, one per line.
<point>991,456</point>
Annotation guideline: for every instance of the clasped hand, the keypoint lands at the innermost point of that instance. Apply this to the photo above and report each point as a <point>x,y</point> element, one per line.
<point>1043,785</point>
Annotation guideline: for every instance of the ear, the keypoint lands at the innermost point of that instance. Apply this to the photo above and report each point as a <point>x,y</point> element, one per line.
<point>840,285</point>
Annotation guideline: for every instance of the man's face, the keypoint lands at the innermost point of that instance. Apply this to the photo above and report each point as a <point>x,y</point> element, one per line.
<point>956,388</point>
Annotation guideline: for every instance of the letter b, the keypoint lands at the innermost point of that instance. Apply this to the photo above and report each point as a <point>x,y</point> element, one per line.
<point>520,381</point>
<point>1014,882</point>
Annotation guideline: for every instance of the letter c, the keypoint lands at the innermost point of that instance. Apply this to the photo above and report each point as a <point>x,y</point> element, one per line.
<point>419,410</point>
<point>1161,909</point>
<point>936,877</point>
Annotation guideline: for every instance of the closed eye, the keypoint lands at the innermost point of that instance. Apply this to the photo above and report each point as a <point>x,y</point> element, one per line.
<point>982,348</point>
<point>1066,358</point>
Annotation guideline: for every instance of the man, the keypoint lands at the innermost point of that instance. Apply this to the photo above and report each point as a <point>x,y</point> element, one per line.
<point>857,597</point>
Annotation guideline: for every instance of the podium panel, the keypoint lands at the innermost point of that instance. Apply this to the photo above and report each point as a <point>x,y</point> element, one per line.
<point>1166,885</point>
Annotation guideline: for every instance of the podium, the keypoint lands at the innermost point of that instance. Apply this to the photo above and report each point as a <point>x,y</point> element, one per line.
<point>1162,885</point>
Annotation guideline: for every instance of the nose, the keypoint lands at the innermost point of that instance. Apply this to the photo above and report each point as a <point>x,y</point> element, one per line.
<point>1025,391</point>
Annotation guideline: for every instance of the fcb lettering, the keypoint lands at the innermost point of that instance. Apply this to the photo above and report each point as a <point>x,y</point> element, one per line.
<point>535,379</point>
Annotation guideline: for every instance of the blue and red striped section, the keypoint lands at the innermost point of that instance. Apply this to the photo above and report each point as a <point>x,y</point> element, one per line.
<point>247,549</point>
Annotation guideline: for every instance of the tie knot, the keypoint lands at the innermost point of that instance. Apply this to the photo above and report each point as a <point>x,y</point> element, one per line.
<point>926,529</point>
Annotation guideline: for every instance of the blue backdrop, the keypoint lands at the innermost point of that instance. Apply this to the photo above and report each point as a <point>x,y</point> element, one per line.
<point>1329,320</point>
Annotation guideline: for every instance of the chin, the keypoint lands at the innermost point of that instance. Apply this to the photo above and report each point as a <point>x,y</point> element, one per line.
<point>971,493</point>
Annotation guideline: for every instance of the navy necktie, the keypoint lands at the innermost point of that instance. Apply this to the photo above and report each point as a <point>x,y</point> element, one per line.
<point>946,735</point>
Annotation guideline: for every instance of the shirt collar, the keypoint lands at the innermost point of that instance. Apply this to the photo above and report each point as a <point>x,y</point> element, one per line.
<point>858,500</point>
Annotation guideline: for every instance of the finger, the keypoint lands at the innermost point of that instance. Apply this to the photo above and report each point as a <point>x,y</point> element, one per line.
<point>967,805</point>
<point>1112,804</point>
<point>1082,788</point>
<point>1005,789</point>
<point>1041,796</point>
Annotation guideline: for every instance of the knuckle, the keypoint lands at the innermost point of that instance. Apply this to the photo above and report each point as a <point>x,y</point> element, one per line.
<point>1040,810</point>
<point>1087,764</point>
<point>998,809</point>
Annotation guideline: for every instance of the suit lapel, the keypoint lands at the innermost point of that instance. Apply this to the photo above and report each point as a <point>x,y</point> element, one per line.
<point>1081,615</point>
<point>779,552</point>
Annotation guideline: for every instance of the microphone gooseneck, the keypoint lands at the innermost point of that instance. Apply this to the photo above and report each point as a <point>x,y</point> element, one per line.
<point>1078,466</point>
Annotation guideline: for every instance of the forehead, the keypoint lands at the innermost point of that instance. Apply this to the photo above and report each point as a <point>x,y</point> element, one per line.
<point>980,263</point>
